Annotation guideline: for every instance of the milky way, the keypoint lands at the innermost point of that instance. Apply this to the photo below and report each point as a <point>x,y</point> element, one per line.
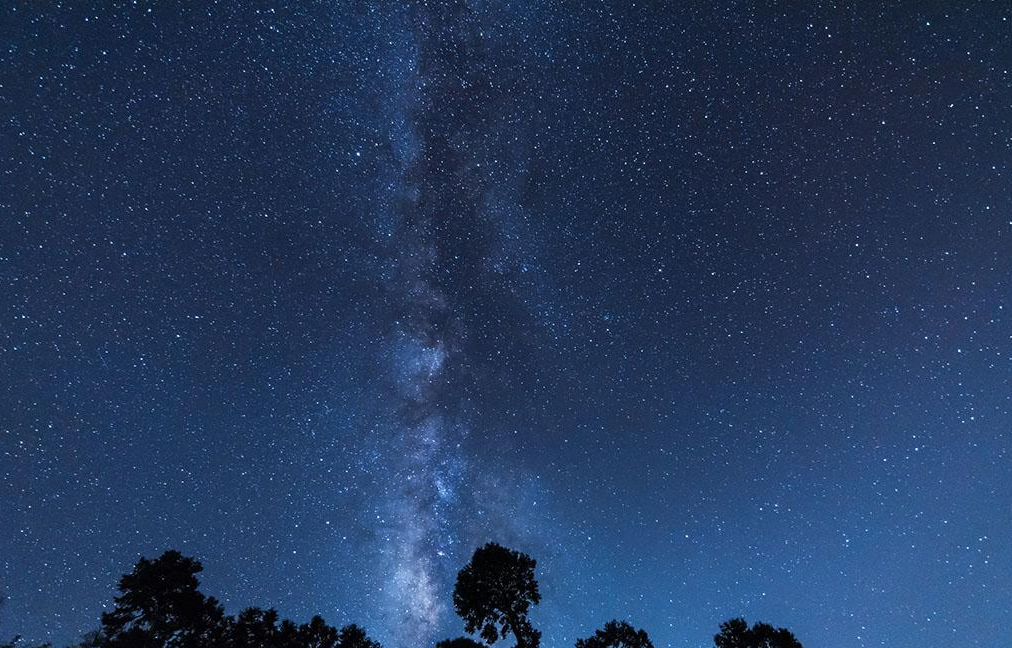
<point>436,212</point>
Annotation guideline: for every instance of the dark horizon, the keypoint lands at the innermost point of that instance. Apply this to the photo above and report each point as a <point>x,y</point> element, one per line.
<point>159,603</point>
<point>704,306</point>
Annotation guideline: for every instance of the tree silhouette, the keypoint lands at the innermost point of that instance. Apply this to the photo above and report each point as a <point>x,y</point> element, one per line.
<point>494,593</point>
<point>460,642</point>
<point>735,633</point>
<point>317,634</point>
<point>160,607</point>
<point>616,634</point>
<point>352,636</point>
<point>256,628</point>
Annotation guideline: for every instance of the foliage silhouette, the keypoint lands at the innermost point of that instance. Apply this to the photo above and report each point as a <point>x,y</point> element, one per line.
<point>256,628</point>
<point>352,636</point>
<point>160,607</point>
<point>460,642</point>
<point>317,634</point>
<point>735,633</point>
<point>494,594</point>
<point>616,634</point>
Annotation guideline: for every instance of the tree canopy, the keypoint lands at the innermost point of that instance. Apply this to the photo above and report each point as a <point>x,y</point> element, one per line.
<point>494,594</point>
<point>735,633</point>
<point>616,634</point>
<point>160,605</point>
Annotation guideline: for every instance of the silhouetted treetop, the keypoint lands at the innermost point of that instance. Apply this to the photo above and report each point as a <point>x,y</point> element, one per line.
<point>735,633</point>
<point>494,594</point>
<point>159,606</point>
<point>255,628</point>
<point>352,636</point>
<point>616,634</point>
<point>317,634</point>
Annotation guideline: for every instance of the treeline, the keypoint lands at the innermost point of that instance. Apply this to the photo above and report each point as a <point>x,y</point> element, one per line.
<point>160,605</point>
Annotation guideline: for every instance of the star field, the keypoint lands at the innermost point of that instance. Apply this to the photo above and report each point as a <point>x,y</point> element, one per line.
<point>705,307</point>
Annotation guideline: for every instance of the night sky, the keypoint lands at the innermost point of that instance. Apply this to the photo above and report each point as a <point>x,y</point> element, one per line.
<point>707,307</point>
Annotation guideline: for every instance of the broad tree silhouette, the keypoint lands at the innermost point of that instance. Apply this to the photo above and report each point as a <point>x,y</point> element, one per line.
<point>494,594</point>
<point>317,634</point>
<point>735,633</point>
<point>256,628</point>
<point>352,636</point>
<point>160,607</point>
<point>616,634</point>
